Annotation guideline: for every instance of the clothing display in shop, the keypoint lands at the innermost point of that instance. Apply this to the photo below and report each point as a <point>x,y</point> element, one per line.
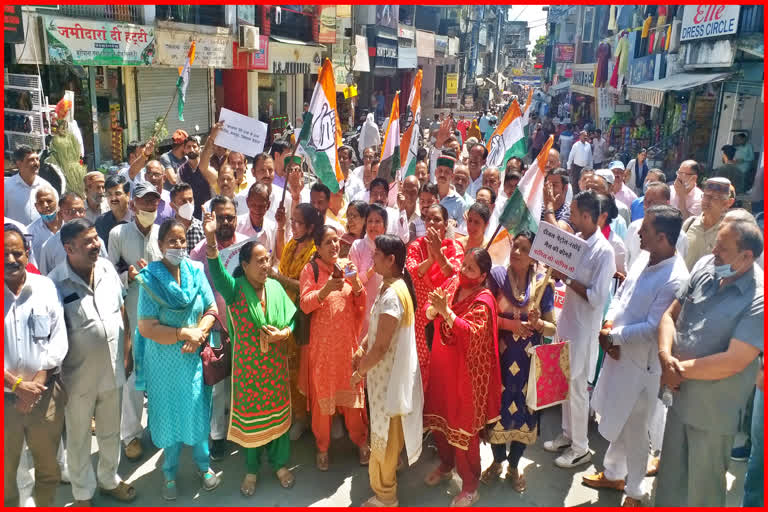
<point>622,61</point>
<point>603,55</point>
<point>646,27</point>
<point>612,25</point>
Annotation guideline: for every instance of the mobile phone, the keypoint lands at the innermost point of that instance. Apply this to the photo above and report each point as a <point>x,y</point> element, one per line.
<point>337,272</point>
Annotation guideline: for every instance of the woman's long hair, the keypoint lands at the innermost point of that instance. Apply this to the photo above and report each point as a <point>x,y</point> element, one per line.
<point>246,252</point>
<point>391,245</point>
<point>318,236</point>
<point>312,220</point>
<point>361,207</point>
<point>378,210</point>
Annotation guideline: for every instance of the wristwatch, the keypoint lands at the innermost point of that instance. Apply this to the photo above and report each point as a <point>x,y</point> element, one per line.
<point>610,338</point>
<point>568,281</point>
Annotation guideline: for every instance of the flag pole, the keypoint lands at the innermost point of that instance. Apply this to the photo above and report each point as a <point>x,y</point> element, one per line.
<point>161,123</point>
<point>498,228</point>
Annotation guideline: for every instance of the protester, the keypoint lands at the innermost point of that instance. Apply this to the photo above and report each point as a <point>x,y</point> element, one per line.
<point>227,185</point>
<point>556,209</point>
<point>492,180</point>
<point>369,135</point>
<point>637,171</point>
<point>422,172</point>
<point>478,217</point>
<point>476,164</point>
<point>118,194</point>
<point>173,159</point>
<point>620,190</point>
<point>153,175</point>
<point>257,225</point>
<point>320,198</point>
<point>629,380</point>
<point>98,359</point>
<point>464,391</point>
<point>686,195</point>
<point>333,302</point>
<point>198,171</point>
<point>602,182</point>
<point>397,221</point>
<point>608,213</point>
<point>636,208</point>
<point>361,255</point>
<point>526,314</point>
<point>389,362</point>
<point>579,158</point>
<point>19,190</point>
<point>49,222</point>
<point>261,317</point>
<point>709,341</point>
<point>277,152</point>
<point>461,182</point>
<point>356,215</point>
<point>579,322</point>
<point>95,200</point>
<point>701,230</point>
<point>408,201</point>
<point>447,195</point>
<point>34,396</point>
<point>173,297</point>
<point>183,203</point>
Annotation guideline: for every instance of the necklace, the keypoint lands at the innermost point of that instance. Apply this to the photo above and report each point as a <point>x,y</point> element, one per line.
<point>516,293</point>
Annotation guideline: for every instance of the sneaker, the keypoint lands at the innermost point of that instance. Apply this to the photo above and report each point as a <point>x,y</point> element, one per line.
<point>571,459</point>
<point>297,429</point>
<point>209,479</point>
<point>741,453</point>
<point>337,427</point>
<point>559,443</point>
<point>218,449</point>
<point>169,490</point>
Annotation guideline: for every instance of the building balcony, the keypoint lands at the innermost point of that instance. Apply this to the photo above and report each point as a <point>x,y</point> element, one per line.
<point>208,15</point>
<point>126,13</point>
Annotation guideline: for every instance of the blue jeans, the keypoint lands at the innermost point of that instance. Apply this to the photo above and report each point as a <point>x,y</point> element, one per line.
<point>753,481</point>
<point>171,462</point>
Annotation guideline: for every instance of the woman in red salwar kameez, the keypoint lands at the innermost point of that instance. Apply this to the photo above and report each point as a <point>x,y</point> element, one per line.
<point>464,393</point>
<point>431,261</point>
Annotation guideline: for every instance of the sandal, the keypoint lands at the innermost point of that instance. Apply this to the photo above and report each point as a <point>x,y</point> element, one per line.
<point>517,478</point>
<point>321,460</point>
<point>248,487</point>
<point>123,492</point>
<point>465,499</point>
<point>491,474</point>
<point>374,501</point>
<point>437,476</point>
<point>286,478</point>
<point>365,455</point>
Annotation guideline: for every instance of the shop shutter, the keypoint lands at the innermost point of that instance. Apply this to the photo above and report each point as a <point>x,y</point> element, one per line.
<point>155,87</point>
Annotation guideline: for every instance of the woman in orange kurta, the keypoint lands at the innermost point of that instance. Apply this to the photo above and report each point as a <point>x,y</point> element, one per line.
<point>432,259</point>
<point>464,393</point>
<point>337,306</point>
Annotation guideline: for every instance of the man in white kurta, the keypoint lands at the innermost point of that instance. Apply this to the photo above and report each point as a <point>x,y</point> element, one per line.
<point>579,323</point>
<point>626,392</point>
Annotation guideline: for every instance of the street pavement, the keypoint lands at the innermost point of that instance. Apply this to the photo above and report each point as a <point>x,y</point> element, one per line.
<point>346,483</point>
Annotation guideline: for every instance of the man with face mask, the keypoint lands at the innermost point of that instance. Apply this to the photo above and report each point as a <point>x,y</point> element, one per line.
<point>95,199</point>
<point>183,203</point>
<point>97,362</point>
<point>131,247</point>
<point>718,196</point>
<point>46,203</point>
<point>686,195</point>
<point>709,342</point>
<point>52,252</point>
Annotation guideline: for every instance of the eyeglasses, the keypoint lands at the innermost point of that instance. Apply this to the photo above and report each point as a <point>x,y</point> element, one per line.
<point>227,218</point>
<point>74,211</point>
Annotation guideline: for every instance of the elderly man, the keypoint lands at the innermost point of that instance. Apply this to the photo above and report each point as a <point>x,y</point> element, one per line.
<point>446,193</point>
<point>602,182</point>
<point>132,246</point>
<point>239,165</point>
<point>96,364</point>
<point>95,200</point>
<point>34,344</point>
<point>579,158</point>
<point>408,201</point>
<point>701,230</point>
<point>709,342</point>
<point>461,183</point>
<point>118,194</point>
<point>476,164</point>
<point>52,251</point>
<point>255,224</point>
<point>686,195</point>
<point>620,190</point>
<point>556,209</point>
<point>422,172</point>
<point>579,322</point>
<point>657,194</point>
<point>492,180</point>
<point>227,185</point>
<point>173,159</point>
<point>636,208</point>
<point>183,203</point>
<point>20,189</point>
<point>153,175</point>
<point>626,391</point>
<point>49,222</point>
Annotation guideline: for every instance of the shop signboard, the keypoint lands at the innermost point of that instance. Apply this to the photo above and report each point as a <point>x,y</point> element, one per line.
<point>565,52</point>
<point>211,50</point>
<point>384,52</point>
<point>441,45</point>
<point>406,32</point>
<point>361,55</point>
<point>453,46</point>
<point>407,58</point>
<point>96,43</point>
<point>344,11</point>
<point>452,84</point>
<point>293,59</point>
<point>327,32</point>
<point>705,21</point>
<point>642,69</point>
<point>606,103</point>
<point>425,44</point>
<point>517,53</point>
<point>14,24</point>
<point>251,59</point>
<point>583,79</point>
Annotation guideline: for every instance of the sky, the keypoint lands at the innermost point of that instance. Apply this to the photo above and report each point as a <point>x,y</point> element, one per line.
<point>535,17</point>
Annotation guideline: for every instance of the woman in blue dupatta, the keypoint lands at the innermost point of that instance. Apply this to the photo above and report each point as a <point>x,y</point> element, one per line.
<point>173,297</point>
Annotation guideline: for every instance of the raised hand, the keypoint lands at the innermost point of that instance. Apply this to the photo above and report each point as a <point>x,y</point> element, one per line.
<point>209,227</point>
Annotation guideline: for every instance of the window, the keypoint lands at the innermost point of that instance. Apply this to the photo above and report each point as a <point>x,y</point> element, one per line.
<point>589,25</point>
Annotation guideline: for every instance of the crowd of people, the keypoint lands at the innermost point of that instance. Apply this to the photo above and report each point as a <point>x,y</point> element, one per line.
<point>379,306</point>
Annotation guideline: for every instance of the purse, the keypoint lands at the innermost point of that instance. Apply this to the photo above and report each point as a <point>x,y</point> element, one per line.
<point>549,375</point>
<point>217,361</point>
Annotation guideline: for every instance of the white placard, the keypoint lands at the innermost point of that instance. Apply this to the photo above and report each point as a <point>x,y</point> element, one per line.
<point>558,249</point>
<point>241,133</point>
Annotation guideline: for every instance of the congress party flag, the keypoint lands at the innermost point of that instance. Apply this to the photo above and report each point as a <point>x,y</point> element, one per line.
<point>527,108</point>
<point>410,142</point>
<point>320,134</point>
<point>390,150</point>
<point>508,139</point>
<point>183,81</point>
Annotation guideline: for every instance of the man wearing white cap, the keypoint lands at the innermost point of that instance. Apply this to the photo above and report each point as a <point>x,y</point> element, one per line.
<point>620,189</point>
<point>95,199</point>
<point>604,179</point>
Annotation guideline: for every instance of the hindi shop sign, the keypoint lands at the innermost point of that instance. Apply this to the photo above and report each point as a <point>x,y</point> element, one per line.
<point>558,249</point>
<point>96,43</point>
<point>705,21</point>
<point>211,51</point>
<point>241,133</point>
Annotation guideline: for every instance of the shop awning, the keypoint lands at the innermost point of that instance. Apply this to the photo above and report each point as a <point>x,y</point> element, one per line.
<point>652,93</point>
<point>286,40</point>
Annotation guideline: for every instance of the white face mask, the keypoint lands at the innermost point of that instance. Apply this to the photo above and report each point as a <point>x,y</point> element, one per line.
<point>176,256</point>
<point>186,210</point>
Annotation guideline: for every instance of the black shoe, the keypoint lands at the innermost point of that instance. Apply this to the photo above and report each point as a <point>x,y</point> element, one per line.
<point>218,449</point>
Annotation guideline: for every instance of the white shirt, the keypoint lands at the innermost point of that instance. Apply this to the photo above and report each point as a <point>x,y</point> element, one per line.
<point>692,203</point>
<point>354,189</point>
<point>35,334</point>
<point>581,155</point>
<point>19,199</point>
<point>633,243</point>
<point>24,232</point>
<point>619,252</point>
<point>580,319</point>
<point>397,224</point>
<point>266,236</point>
<point>475,185</point>
<point>92,215</point>
<point>598,149</point>
<point>52,253</point>
<point>416,226</point>
<point>40,234</point>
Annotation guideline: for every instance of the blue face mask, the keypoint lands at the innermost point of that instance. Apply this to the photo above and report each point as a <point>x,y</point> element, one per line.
<point>50,217</point>
<point>724,271</point>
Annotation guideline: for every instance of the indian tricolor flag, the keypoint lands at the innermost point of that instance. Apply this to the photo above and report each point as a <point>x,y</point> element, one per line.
<point>183,81</point>
<point>390,150</point>
<point>321,132</point>
<point>410,142</point>
<point>508,139</point>
<point>527,112</point>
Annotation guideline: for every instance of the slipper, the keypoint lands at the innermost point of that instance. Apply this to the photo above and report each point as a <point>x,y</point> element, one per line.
<point>517,478</point>
<point>123,492</point>
<point>321,460</point>
<point>365,455</point>
<point>437,476</point>
<point>491,474</point>
<point>287,479</point>
<point>248,487</point>
<point>465,499</point>
<point>374,501</point>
